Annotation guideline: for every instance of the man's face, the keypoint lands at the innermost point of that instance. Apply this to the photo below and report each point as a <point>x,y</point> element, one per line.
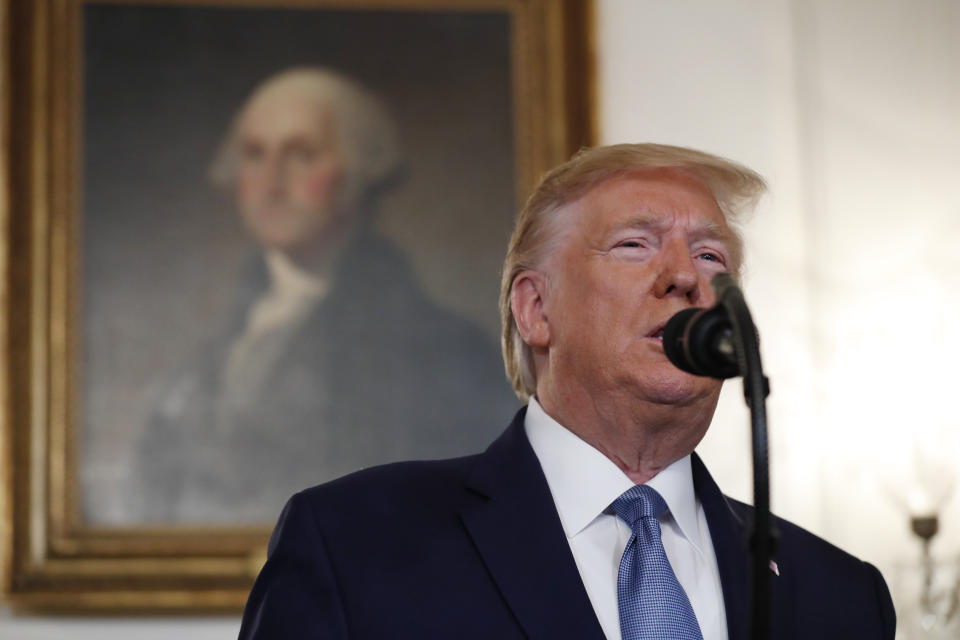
<point>635,250</point>
<point>289,170</point>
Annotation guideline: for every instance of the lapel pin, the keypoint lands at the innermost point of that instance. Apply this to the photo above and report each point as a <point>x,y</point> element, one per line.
<point>774,568</point>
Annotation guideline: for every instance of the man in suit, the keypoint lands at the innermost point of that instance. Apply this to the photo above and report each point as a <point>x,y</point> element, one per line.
<point>335,358</point>
<point>590,517</point>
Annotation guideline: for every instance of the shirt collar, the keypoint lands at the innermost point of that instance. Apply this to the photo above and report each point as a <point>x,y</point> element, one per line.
<point>675,484</point>
<point>291,282</point>
<point>584,482</point>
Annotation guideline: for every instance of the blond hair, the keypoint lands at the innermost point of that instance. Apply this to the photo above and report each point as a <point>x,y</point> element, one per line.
<point>735,188</point>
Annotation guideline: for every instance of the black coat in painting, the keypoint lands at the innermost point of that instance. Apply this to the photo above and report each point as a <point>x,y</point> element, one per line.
<point>376,373</point>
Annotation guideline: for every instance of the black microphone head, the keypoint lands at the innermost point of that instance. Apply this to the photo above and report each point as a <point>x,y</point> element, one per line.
<point>674,339</point>
<point>698,341</point>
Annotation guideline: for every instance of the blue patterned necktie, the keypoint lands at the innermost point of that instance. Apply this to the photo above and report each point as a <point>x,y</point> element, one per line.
<point>653,605</point>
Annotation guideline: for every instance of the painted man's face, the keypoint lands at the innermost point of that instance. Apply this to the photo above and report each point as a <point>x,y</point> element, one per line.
<point>289,170</point>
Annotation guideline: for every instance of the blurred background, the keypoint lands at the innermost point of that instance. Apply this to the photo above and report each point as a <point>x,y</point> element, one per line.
<point>849,109</point>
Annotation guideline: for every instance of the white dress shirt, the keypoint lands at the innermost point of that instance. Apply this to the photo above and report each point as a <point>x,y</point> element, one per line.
<point>584,482</point>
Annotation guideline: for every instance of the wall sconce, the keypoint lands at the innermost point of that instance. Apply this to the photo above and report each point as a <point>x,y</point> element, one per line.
<point>938,609</point>
<point>929,603</point>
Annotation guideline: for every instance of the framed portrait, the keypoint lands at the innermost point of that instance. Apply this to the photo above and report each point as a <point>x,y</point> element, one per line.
<point>249,247</point>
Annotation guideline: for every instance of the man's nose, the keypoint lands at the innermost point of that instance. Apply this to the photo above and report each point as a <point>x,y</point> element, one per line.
<point>677,276</point>
<point>273,173</point>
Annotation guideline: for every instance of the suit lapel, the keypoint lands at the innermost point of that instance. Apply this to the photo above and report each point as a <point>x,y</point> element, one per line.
<point>514,524</point>
<point>728,532</point>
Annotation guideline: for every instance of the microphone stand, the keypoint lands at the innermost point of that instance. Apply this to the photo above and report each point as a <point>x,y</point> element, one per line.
<point>756,388</point>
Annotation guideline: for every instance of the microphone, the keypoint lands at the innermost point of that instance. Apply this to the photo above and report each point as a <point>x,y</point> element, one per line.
<point>722,342</point>
<point>700,341</point>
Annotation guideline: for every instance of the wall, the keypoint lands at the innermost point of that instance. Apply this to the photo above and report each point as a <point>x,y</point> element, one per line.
<point>849,109</point>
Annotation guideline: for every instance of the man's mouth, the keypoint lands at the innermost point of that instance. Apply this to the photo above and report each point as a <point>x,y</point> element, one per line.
<point>657,333</point>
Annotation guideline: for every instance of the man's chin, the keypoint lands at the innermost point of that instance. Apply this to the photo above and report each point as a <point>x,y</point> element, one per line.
<point>677,388</point>
<point>291,236</point>
<point>283,239</point>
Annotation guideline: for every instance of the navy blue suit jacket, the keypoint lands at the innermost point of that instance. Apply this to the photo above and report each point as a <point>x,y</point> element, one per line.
<point>473,548</point>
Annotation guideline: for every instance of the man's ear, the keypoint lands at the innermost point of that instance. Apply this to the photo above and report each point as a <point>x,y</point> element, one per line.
<point>527,303</point>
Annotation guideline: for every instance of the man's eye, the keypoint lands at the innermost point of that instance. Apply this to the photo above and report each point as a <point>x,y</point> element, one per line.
<point>712,257</point>
<point>630,243</point>
<point>303,154</point>
<point>251,153</point>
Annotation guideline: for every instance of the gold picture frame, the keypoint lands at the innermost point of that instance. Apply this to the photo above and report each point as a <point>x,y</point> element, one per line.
<point>53,559</point>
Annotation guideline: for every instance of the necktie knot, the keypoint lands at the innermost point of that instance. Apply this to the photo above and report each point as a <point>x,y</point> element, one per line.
<point>638,502</point>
